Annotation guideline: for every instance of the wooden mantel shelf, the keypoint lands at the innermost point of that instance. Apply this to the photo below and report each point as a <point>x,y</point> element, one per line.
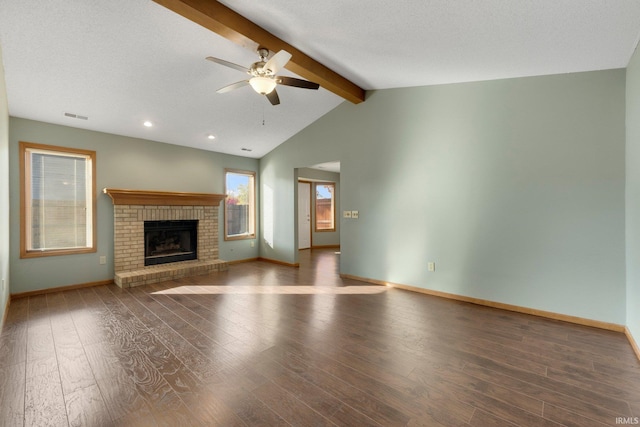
<point>162,198</point>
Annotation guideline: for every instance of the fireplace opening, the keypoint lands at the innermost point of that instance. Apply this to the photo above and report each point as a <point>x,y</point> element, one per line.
<point>170,241</point>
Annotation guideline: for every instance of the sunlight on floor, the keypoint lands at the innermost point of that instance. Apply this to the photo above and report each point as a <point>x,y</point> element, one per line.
<point>301,290</point>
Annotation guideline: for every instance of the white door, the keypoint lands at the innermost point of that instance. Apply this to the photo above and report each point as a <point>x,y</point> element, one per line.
<point>304,215</point>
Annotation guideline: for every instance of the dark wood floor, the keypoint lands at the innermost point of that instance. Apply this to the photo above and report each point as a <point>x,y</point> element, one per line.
<point>269,345</point>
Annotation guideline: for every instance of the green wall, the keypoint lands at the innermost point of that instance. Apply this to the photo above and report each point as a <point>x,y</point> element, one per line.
<point>4,195</point>
<point>122,162</point>
<point>633,195</point>
<point>514,188</point>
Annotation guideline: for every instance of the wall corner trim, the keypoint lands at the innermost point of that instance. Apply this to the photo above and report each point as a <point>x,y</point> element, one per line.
<point>6,312</point>
<point>275,261</point>
<point>632,341</point>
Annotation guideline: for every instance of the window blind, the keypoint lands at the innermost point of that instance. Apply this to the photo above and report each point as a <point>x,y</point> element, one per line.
<point>60,201</point>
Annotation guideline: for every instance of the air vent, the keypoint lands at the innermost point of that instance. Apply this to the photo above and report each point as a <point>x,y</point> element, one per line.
<point>76,116</point>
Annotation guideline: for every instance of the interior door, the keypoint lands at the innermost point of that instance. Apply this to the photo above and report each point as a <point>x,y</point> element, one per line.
<point>304,215</point>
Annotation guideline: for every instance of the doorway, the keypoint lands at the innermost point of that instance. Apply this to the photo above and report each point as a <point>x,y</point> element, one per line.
<point>304,215</point>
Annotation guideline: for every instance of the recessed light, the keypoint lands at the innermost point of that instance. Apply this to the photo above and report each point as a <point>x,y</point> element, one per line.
<point>211,136</point>
<point>148,124</point>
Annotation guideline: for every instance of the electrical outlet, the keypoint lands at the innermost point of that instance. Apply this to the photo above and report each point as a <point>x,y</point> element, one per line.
<point>253,244</point>
<point>431,266</point>
<point>355,214</point>
<point>346,214</point>
<point>103,260</point>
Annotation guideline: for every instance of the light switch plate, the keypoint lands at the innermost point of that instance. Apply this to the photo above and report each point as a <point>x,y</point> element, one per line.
<point>355,214</point>
<point>346,214</point>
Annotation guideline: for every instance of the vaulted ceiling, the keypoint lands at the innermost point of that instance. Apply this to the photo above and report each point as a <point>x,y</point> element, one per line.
<point>121,62</point>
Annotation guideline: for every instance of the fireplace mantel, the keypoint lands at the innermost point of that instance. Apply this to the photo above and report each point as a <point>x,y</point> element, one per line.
<point>162,198</point>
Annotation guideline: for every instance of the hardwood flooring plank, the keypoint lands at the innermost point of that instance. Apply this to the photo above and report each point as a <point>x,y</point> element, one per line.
<point>125,331</point>
<point>142,418</point>
<point>13,347</point>
<point>484,419</point>
<point>86,408</point>
<point>222,332</point>
<point>399,392</point>
<point>12,391</point>
<point>75,371</point>
<point>120,394</point>
<point>42,366</point>
<point>203,339</point>
<point>348,393</point>
<point>308,393</point>
<point>178,416</point>
<point>313,396</point>
<point>571,419</point>
<point>203,342</point>
<point>17,316</point>
<point>583,394</point>
<point>245,406</point>
<point>186,354</point>
<point>44,403</point>
<point>206,407</point>
<point>495,405</point>
<point>597,412</point>
<point>288,407</point>
<point>621,388</point>
<point>584,350</point>
<point>38,310</point>
<point>86,318</point>
<point>39,341</point>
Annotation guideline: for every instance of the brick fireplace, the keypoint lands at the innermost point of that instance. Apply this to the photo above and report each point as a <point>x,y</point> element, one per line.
<point>132,208</point>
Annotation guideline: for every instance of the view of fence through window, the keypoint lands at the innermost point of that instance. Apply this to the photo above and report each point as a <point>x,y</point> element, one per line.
<point>239,205</point>
<point>325,206</point>
<point>58,199</point>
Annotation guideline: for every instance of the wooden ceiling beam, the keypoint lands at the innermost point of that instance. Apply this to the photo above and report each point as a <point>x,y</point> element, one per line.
<point>231,25</point>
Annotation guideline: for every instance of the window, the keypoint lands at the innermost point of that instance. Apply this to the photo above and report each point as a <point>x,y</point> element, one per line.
<point>240,205</point>
<point>57,200</point>
<point>325,206</point>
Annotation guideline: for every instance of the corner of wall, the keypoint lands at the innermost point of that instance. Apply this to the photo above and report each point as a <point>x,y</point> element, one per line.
<point>4,196</point>
<point>632,200</point>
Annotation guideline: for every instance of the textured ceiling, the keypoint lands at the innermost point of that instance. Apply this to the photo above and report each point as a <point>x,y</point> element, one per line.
<point>121,62</point>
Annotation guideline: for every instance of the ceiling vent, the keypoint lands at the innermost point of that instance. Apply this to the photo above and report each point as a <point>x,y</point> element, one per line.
<point>76,116</point>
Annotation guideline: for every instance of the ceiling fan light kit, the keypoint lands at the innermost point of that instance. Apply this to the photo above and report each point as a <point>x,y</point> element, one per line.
<point>263,75</point>
<point>263,85</point>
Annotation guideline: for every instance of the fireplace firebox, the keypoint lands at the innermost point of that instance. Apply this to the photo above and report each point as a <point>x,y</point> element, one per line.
<point>170,241</point>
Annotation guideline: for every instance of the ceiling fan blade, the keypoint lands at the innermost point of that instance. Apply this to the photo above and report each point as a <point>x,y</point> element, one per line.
<point>292,81</point>
<point>228,64</point>
<point>273,97</point>
<point>278,61</point>
<point>233,86</point>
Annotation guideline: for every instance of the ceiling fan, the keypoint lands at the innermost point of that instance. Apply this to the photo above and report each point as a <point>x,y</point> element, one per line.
<point>263,75</point>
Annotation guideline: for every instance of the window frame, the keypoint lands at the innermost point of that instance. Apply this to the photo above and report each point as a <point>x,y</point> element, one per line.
<point>315,206</point>
<point>252,205</point>
<point>25,167</point>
